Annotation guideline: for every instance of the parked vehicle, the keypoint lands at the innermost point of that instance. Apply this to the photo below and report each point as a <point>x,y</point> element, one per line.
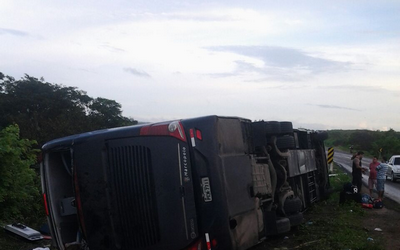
<point>393,171</point>
<point>203,183</point>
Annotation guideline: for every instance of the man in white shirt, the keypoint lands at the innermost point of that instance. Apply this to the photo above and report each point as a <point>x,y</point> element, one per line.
<point>381,177</point>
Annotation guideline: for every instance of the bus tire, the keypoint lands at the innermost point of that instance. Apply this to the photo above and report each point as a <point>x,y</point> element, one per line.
<point>292,205</point>
<point>296,219</point>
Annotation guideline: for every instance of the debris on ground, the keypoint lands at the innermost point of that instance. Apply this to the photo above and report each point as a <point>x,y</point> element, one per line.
<point>23,231</point>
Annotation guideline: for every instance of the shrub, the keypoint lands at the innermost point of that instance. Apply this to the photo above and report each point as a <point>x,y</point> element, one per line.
<point>20,198</point>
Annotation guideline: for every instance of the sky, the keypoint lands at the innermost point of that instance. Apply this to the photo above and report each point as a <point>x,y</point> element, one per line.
<point>319,64</point>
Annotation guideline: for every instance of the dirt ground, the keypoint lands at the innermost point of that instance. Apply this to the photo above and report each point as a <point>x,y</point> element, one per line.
<point>388,220</point>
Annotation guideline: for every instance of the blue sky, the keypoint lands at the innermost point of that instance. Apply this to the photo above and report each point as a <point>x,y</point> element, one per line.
<point>319,64</point>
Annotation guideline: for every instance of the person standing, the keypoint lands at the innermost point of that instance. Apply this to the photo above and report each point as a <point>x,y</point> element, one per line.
<point>381,177</point>
<point>357,170</point>
<point>372,174</point>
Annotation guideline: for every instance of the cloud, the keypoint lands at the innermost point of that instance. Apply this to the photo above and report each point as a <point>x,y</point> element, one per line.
<point>221,75</point>
<point>13,32</point>
<point>271,73</point>
<point>268,73</point>
<point>136,72</point>
<point>240,67</point>
<point>332,107</point>
<point>112,49</point>
<point>213,15</point>
<point>382,90</point>
<point>284,58</point>
<point>199,16</point>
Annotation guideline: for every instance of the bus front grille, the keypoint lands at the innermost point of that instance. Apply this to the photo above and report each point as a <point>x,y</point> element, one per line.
<point>135,205</point>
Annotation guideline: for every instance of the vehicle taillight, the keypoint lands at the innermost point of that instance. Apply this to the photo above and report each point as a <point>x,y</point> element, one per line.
<point>39,158</point>
<point>198,135</point>
<point>198,245</point>
<point>214,243</point>
<point>195,246</point>
<point>174,129</point>
<point>78,203</point>
<point>46,207</point>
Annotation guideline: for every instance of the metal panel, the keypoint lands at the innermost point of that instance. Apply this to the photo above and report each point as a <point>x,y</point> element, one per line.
<point>133,185</point>
<point>237,174</point>
<point>261,179</point>
<point>301,162</point>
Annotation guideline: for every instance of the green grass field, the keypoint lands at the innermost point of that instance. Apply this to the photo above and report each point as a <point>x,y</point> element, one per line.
<point>333,226</point>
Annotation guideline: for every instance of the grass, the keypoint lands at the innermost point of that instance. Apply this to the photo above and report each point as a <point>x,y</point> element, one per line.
<point>334,226</point>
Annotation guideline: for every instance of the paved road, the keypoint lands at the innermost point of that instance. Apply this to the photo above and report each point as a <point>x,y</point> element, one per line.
<point>392,190</point>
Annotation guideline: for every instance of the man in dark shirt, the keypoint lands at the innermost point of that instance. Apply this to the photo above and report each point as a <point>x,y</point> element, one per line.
<point>357,170</point>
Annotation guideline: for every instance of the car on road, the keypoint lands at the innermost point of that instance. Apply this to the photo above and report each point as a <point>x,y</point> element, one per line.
<point>393,171</point>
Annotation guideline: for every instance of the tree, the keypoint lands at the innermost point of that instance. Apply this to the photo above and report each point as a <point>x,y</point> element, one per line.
<point>389,141</point>
<point>362,139</point>
<point>108,113</point>
<point>46,111</point>
<point>365,140</point>
<point>19,186</point>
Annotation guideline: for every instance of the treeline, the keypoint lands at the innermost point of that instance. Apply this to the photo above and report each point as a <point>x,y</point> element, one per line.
<point>32,112</point>
<point>45,111</point>
<point>386,143</point>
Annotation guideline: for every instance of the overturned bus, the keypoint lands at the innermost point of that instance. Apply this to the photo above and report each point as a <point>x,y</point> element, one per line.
<point>203,183</point>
